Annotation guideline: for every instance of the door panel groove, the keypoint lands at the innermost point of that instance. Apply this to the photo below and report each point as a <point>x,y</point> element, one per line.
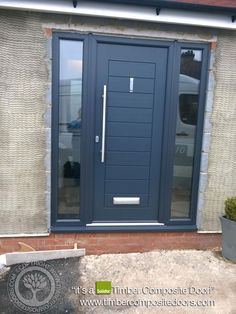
<point>123,92</point>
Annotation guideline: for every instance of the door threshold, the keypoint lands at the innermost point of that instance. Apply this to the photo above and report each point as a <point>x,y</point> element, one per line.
<point>124,227</point>
<point>108,224</point>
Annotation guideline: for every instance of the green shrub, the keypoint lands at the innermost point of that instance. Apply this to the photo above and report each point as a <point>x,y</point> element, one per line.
<point>230,208</point>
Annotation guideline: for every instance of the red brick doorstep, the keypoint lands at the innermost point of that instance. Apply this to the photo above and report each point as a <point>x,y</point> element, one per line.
<point>107,243</point>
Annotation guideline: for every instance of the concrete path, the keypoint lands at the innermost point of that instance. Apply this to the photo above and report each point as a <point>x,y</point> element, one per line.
<point>155,282</point>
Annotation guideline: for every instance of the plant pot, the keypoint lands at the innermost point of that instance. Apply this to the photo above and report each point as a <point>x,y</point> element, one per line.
<point>228,238</point>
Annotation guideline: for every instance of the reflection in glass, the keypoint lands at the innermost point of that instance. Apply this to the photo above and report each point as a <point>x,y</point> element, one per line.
<point>190,72</point>
<point>70,102</point>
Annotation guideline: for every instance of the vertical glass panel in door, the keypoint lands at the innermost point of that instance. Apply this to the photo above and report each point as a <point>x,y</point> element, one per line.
<point>70,105</point>
<point>187,113</point>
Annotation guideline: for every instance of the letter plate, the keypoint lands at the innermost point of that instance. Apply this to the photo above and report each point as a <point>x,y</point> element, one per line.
<point>126,200</point>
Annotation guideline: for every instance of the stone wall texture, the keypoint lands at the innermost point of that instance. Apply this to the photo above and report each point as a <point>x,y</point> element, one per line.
<point>25,78</point>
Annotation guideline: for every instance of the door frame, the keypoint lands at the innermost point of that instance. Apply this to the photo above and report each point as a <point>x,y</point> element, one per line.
<point>84,224</point>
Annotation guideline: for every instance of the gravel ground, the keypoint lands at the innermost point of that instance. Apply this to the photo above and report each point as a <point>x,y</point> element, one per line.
<point>186,277</point>
<point>207,274</point>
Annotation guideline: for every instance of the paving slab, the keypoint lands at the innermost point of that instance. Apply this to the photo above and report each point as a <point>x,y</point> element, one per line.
<point>13,258</point>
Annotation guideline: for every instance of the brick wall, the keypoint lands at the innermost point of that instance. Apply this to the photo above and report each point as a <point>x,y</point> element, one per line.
<point>107,243</point>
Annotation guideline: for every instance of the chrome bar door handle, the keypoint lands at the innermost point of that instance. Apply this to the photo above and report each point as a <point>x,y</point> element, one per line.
<point>104,122</point>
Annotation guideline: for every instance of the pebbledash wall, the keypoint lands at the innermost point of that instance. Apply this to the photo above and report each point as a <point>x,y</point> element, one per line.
<point>25,134</point>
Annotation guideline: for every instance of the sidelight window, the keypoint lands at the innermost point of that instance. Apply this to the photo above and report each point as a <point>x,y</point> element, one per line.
<point>70,127</point>
<point>186,122</point>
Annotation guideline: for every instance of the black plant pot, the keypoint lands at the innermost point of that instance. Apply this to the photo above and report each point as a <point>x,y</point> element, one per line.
<point>228,238</point>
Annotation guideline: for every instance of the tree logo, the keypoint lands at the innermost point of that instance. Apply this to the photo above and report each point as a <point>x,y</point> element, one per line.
<point>34,287</point>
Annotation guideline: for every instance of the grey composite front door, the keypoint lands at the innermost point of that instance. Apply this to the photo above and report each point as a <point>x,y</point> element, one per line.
<point>130,104</point>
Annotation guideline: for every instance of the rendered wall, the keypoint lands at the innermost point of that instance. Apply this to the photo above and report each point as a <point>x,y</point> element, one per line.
<point>23,84</point>
<point>219,179</point>
<point>25,114</point>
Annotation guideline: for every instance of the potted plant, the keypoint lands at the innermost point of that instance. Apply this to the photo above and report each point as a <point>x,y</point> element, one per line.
<point>228,223</point>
